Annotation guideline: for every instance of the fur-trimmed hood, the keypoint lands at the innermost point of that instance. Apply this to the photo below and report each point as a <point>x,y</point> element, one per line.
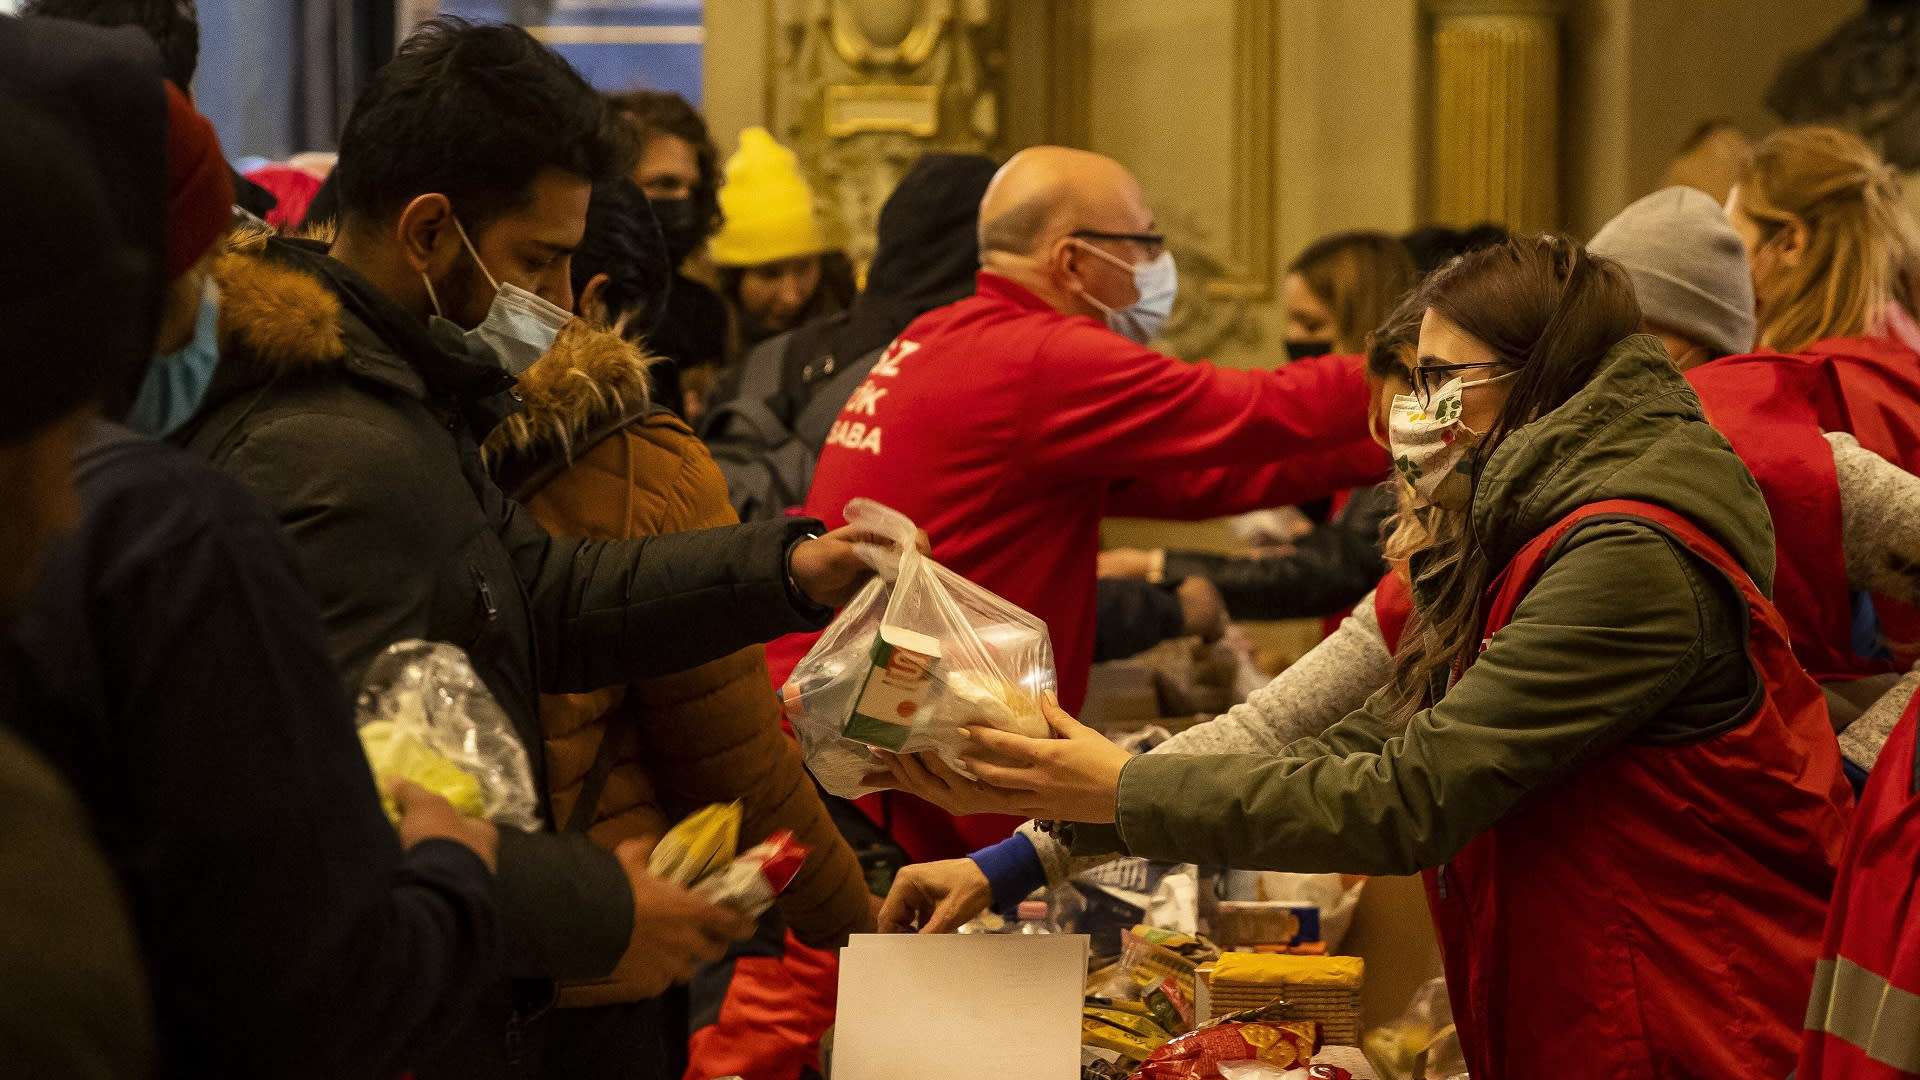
<point>277,315</point>
<point>281,318</point>
<point>590,380</point>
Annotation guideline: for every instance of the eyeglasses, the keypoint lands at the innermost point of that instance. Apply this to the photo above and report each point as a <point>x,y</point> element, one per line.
<point>1154,243</point>
<point>1428,379</point>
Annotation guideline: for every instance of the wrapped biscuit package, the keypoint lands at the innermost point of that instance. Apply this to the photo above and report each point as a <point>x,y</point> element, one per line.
<point>918,654</point>
<point>425,716</point>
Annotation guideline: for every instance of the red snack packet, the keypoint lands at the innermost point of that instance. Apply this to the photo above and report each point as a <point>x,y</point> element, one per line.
<point>749,883</point>
<point>1198,1056</point>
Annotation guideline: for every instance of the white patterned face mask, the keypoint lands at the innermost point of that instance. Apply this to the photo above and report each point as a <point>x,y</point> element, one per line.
<point>1430,445</point>
<point>520,327</point>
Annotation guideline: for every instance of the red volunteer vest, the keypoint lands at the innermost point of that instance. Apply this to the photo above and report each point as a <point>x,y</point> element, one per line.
<point>1863,1022</point>
<point>1773,409</point>
<point>1658,912</point>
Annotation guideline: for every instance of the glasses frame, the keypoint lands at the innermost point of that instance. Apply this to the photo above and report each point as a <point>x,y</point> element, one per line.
<point>1444,373</point>
<point>1155,243</point>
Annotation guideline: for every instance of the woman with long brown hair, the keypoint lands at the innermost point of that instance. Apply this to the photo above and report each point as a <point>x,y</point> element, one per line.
<point>1596,740</point>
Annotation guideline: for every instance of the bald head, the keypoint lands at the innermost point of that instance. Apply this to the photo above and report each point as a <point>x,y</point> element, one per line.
<point>1046,192</point>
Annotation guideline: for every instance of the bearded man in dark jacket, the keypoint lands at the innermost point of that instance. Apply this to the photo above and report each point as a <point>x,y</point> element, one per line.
<point>351,402</point>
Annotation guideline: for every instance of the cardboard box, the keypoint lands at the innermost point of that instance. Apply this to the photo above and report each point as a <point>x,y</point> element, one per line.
<point>899,687</point>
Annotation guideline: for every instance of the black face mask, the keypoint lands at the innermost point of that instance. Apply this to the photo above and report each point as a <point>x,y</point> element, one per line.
<point>683,232</point>
<point>1300,350</point>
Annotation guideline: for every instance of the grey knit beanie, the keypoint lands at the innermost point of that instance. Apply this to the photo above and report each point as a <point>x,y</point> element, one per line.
<point>1688,267</point>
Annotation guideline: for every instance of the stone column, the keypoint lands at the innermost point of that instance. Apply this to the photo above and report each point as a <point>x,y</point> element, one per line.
<point>1494,113</point>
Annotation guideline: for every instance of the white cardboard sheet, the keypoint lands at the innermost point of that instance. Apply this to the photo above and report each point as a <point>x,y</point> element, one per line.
<point>960,1007</point>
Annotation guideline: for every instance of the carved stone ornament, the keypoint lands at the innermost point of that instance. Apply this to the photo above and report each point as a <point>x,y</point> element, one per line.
<point>867,86</point>
<point>1207,321</point>
<point>1865,76</point>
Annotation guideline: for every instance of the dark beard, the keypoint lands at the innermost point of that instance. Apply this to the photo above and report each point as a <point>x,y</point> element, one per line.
<point>459,294</point>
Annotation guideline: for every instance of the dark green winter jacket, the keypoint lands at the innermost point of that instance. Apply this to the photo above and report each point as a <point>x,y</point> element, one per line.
<point>1625,637</point>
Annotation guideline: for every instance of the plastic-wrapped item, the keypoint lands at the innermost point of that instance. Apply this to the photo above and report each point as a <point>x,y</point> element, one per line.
<point>1421,1044</point>
<point>918,654</point>
<point>749,883</point>
<point>425,716</point>
<point>1125,893</point>
<point>700,845</point>
<point>1245,1038</point>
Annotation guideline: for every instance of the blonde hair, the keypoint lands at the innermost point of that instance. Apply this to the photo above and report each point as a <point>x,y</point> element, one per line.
<point>1360,277</point>
<point>1863,250</point>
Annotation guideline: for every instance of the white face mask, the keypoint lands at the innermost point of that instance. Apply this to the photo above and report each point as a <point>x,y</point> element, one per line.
<point>1430,445</point>
<point>1157,281</point>
<point>520,327</point>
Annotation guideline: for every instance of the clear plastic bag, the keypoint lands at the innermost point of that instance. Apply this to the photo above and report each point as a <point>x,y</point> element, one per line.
<point>425,715</point>
<point>919,653</point>
<point>1422,1043</point>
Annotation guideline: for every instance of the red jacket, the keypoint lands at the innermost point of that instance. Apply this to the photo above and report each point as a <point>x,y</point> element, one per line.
<point>1863,1022</point>
<point>1773,409</point>
<point>1658,912</point>
<point>1008,431</point>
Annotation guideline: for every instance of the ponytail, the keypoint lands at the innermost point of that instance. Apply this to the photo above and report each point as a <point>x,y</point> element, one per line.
<point>1863,248</point>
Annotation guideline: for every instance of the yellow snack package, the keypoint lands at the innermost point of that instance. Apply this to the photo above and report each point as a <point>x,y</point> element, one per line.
<point>1144,1026</point>
<point>700,845</point>
<point>396,754</point>
<point>1096,1032</point>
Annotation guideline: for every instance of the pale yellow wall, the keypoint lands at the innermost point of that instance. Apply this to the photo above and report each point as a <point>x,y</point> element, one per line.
<point>736,66</point>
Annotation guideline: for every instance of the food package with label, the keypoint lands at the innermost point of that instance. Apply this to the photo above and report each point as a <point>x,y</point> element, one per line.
<point>425,716</point>
<point>918,654</point>
<point>1246,1037</point>
<point>750,883</point>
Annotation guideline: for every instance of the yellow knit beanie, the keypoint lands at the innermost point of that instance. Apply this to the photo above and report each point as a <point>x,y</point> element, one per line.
<point>768,206</point>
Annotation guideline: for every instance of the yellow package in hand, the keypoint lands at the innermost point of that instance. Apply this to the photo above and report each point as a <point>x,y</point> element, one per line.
<point>698,846</point>
<point>395,754</point>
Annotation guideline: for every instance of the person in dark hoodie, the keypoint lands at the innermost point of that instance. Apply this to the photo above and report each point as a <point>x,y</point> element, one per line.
<point>170,663</point>
<point>354,385</point>
<point>772,412</point>
<point>679,170</point>
<point>73,1001</point>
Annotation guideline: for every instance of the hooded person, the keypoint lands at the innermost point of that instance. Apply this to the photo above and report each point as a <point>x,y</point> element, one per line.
<point>174,27</point>
<point>355,382</point>
<point>1689,274</point>
<point>592,456</point>
<point>1574,766</point>
<point>772,412</point>
<point>679,171</point>
<point>101,86</point>
<point>171,664</point>
<point>74,1003</point>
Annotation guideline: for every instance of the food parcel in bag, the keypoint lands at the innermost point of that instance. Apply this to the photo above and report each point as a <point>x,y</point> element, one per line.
<point>918,654</point>
<point>425,716</point>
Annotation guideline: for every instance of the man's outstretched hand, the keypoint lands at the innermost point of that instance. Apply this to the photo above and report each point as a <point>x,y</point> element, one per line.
<point>829,569</point>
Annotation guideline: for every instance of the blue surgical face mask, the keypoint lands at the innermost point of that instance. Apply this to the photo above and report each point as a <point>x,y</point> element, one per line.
<point>1157,281</point>
<point>177,383</point>
<point>519,328</point>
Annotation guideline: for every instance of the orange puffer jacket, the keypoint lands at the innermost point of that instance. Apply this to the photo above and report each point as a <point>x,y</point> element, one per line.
<point>589,458</point>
